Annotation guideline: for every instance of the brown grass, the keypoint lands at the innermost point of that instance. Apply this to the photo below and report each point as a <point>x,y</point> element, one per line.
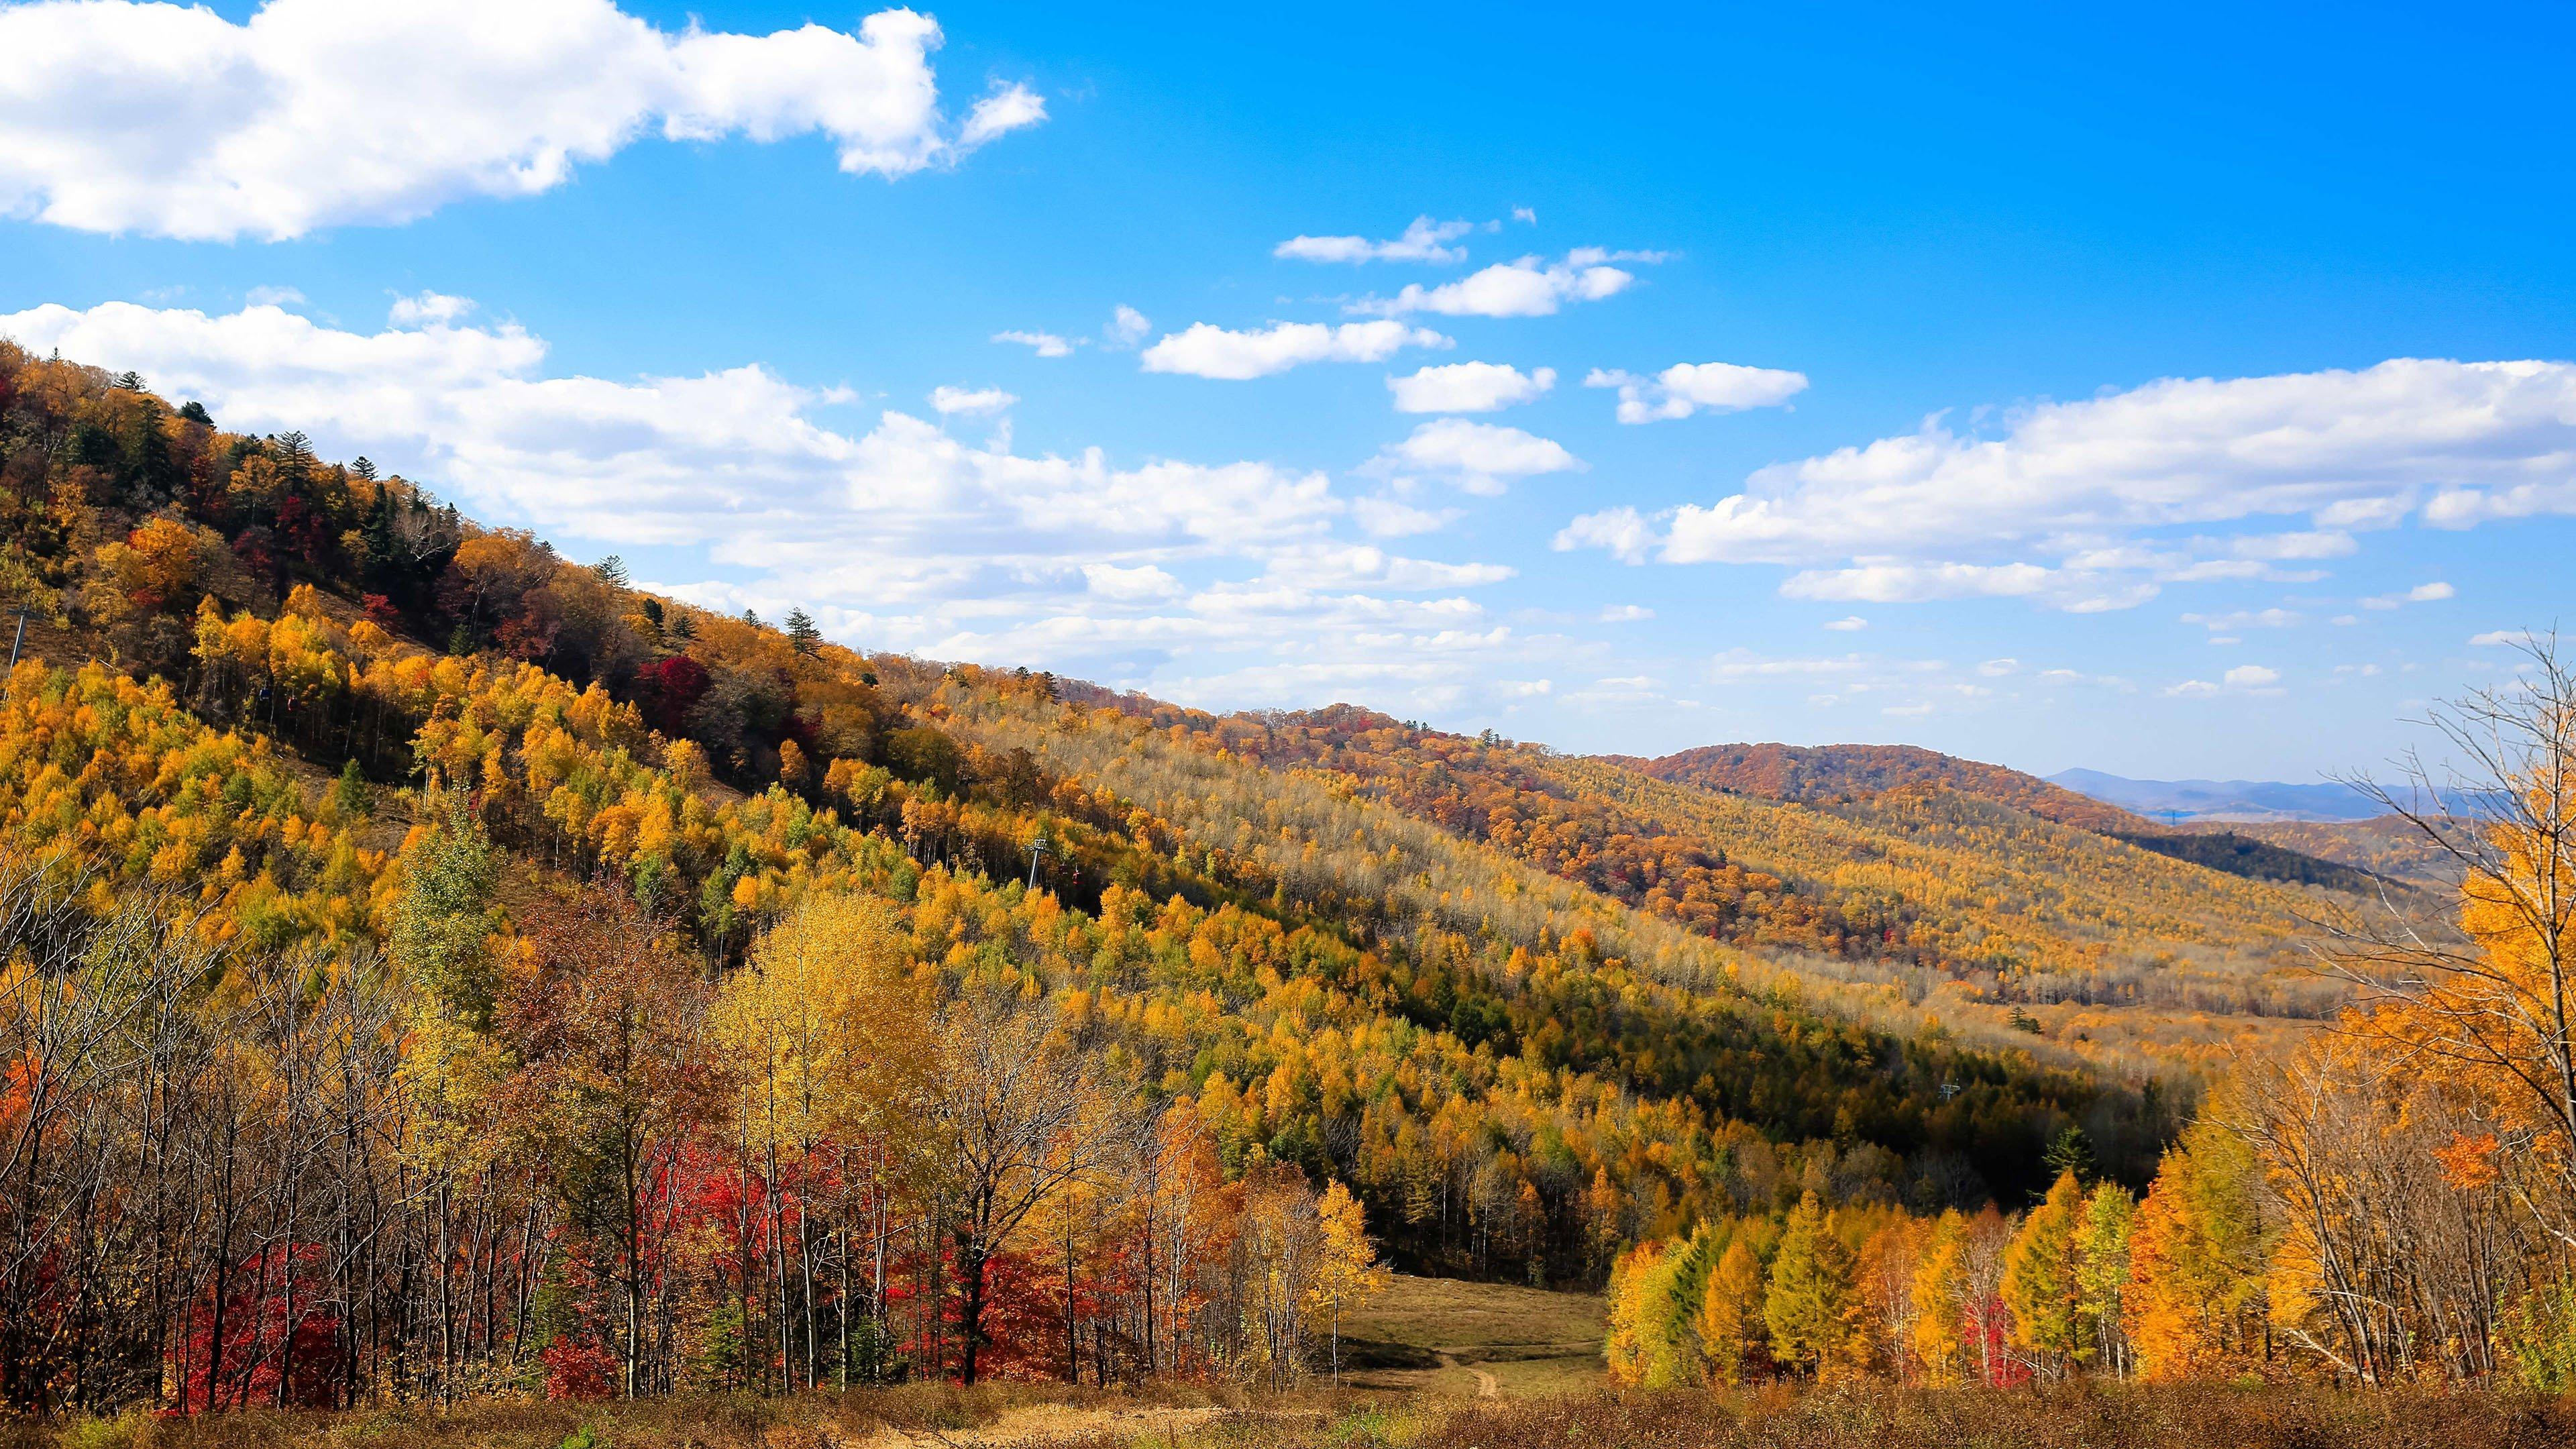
<point>1433,1335</point>
<point>2201,1416</point>
<point>924,1414</point>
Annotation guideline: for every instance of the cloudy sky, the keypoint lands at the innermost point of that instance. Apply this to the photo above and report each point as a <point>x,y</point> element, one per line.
<point>2184,392</point>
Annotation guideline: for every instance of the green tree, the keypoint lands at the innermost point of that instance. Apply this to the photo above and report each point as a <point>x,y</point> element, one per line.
<point>1813,1308</point>
<point>801,633</point>
<point>2041,1284</point>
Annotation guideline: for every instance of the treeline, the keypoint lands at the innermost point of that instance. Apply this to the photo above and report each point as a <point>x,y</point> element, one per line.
<point>550,1155</point>
<point>440,1089</point>
<point>2391,1202</point>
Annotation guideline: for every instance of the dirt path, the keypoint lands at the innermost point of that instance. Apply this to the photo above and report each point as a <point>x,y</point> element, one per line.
<point>1487,1386</point>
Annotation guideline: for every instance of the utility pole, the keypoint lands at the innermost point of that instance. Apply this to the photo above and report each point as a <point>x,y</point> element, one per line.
<point>1037,850</point>
<point>21,641</point>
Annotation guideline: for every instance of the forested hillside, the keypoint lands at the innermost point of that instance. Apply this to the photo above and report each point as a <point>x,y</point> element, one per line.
<point>1918,900</point>
<point>1818,773</point>
<point>460,969</point>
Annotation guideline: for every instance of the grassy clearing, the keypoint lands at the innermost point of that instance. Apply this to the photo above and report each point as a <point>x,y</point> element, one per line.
<point>1436,1335</point>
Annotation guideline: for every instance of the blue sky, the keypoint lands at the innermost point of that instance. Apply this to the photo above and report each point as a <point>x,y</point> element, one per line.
<point>2103,307</point>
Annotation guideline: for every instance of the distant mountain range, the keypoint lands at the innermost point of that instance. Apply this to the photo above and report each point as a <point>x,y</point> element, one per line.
<point>2175,800</point>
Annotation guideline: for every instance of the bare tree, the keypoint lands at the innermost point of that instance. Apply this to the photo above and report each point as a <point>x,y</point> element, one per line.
<point>2492,998</point>
<point>1023,1116</point>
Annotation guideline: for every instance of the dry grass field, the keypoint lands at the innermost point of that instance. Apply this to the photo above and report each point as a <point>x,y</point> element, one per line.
<point>1442,1336</point>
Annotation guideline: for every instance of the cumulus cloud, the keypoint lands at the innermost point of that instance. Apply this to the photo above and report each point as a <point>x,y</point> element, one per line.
<point>2420,594</point>
<point>170,121</point>
<point>1423,241</point>
<point>2494,638</point>
<point>2076,505</point>
<point>1898,583</point>
<point>1689,387</point>
<point>2177,452</point>
<point>1623,532</point>
<point>2247,619</point>
<point>1127,327</point>
<point>1141,583</point>
<point>1849,624</point>
<point>1469,387</point>
<point>424,309</point>
<point>894,532</point>
<point>665,459</point>
<point>1006,108</point>
<point>2254,678</point>
<point>1478,457</point>
<point>971,402</point>
<point>1529,287</point>
<point>1205,350</point>
<point>1386,517</point>
<point>1044,344</point>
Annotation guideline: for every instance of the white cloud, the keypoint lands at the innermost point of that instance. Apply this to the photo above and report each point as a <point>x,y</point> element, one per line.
<point>895,533</point>
<point>1423,241</point>
<point>2247,619</point>
<point>1205,350</point>
<point>1141,583</point>
<point>1688,387</point>
<point>974,402</point>
<point>730,455</point>
<point>2494,638</point>
<point>2086,481</point>
<point>1469,387</point>
<point>1127,326</point>
<point>423,309</point>
<point>1625,614</point>
<point>274,297</point>
<point>1478,457</point>
<point>2420,594</point>
<point>119,117</point>
<point>2253,678</point>
<point>1998,668</point>
<point>1850,624</point>
<point>1525,215</point>
<point>1894,583</point>
<point>2323,543</point>
<point>1526,288</point>
<point>1623,531</point>
<point>1044,344</point>
<point>1342,566</point>
<point>1008,107</point>
<point>1386,517</point>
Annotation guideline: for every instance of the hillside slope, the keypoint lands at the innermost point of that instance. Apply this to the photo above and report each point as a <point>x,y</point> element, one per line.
<point>1815,774</point>
<point>1513,1070</point>
<point>1969,909</point>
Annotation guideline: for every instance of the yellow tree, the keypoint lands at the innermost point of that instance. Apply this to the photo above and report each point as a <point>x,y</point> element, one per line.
<point>828,1036</point>
<point>1349,1272</point>
<point>2040,1277</point>
<point>1940,1300</point>
<point>1730,1312</point>
<point>2197,1256</point>
<point>2102,1271</point>
<point>1627,1347</point>
<point>2495,1005</point>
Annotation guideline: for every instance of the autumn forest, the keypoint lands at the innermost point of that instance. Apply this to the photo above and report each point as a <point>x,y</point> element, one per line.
<point>441,975</point>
